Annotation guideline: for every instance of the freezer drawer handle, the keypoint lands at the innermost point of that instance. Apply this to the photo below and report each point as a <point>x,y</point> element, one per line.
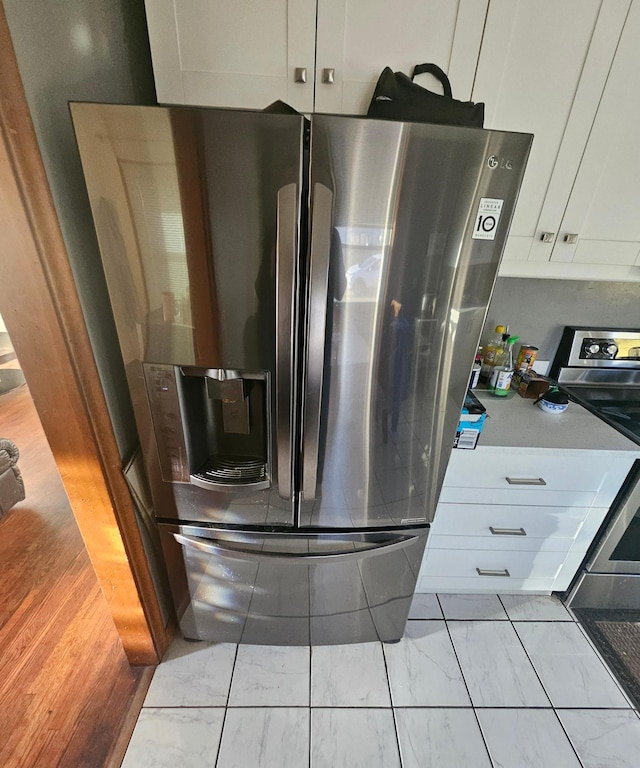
<point>507,531</point>
<point>526,480</point>
<point>491,572</point>
<point>286,238</point>
<point>227,549</point>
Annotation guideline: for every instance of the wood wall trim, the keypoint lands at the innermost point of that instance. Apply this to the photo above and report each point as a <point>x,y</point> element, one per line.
<point>41,309</point>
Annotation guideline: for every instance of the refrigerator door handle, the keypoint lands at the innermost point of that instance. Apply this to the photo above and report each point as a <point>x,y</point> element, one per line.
<point>227,549</point>
<point>319,282</point>
<point>286,239</point>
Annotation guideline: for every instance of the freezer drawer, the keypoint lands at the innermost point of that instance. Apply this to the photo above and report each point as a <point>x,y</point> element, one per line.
<point>292,589</point>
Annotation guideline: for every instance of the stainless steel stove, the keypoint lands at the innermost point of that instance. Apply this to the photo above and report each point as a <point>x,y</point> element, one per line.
<point>600,369</point>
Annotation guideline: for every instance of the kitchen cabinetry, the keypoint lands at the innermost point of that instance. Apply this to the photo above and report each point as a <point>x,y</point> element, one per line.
<point>565,71</point>
<point>518,521</point>
<point>237,54</point>
<point>360,38</point>
<point>211,53</point>
<point>605,199</point>
<point>562,71</point>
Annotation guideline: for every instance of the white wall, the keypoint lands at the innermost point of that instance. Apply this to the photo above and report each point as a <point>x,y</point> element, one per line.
<point>537,310</point>
<point>85,50</point>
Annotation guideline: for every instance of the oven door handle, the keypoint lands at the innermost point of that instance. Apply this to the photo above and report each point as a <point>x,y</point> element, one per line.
<point>216,547</point>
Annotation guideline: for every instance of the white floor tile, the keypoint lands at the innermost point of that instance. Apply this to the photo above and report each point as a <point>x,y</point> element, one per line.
<point>472,607</point>
<point>353,738</point>
<point>495,666</point>
<point>167,737</point>
<point>349,676</point>
<point>422,668</point>
<point>440,738</point>
<point>271,676</point>
<point>604,739</point>
<point>527,738</point>
<point>192,675</point>
<point>425,606</point>
<point>569,668</point>
<point>271,737</point>
<point>535,608</point>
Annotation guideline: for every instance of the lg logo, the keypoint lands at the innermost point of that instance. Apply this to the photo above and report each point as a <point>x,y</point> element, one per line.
<point>499,162</point>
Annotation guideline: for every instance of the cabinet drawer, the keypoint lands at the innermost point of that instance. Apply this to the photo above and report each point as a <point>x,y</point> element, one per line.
<point>517,564</point>
<point>511,470</point>
<point>537,522</point>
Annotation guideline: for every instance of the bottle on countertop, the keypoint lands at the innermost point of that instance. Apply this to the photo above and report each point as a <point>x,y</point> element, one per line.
<point>475,371</point>
<point>493,345</point>
<point>502,371</point>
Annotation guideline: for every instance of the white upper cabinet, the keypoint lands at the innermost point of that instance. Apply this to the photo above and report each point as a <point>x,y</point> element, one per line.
<point>604,206</point>
<point>566,71</point>
<point>356,39</point>
<point>246,54</point>
<point>542,69</point>
<point>233,54</point>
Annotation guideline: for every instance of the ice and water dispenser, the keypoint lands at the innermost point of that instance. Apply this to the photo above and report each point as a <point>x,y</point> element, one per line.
<point>211,425</point>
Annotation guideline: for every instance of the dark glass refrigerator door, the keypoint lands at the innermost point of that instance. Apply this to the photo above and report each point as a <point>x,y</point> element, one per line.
<point>408,222</point>
<point>197,214</point>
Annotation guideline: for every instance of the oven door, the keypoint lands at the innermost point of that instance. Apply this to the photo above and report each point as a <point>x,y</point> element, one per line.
<point>619,548</point>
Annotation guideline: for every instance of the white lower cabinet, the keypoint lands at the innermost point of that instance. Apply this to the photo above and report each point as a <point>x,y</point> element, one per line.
<point>503,522</point>
<point>518,519</point>
<point>457,570</point>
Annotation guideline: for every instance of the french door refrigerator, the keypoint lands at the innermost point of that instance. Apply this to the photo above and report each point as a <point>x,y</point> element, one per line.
<point>298,303</point>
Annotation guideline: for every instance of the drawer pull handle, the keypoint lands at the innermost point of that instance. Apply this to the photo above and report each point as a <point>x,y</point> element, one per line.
<point>507,531</point>
<point>525,480</point>
<point>491,572</point>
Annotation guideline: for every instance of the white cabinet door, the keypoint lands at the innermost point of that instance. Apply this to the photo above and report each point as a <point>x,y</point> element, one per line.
<point>604,206</point>
<point>357,39</point>
<point>542,69</point>
<point>232,54</point>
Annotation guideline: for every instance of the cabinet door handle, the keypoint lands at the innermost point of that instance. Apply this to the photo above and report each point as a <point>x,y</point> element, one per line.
<point>300,75</point>
<point>525,480</point>
<point>507,531</point>
<point>328,75</point>
<point>571,238</point>
<point>491,572</point>
<point>548,237</point>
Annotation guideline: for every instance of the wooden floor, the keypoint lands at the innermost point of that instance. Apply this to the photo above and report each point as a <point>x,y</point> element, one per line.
<point>68,697</point>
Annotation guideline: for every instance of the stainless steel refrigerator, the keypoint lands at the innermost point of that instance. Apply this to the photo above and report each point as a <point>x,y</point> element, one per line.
<point>298,304</point>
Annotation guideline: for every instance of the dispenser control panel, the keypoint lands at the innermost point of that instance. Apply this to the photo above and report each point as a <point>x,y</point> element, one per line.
<point>162,390</point>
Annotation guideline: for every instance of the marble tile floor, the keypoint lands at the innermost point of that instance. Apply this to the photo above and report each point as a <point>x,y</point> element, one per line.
<point>478,681</point>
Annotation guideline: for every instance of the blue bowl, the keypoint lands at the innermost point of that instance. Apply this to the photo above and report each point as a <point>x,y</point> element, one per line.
<point>549,407</point>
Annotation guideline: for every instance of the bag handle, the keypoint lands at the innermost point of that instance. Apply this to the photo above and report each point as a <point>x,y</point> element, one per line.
<point>433,69</point>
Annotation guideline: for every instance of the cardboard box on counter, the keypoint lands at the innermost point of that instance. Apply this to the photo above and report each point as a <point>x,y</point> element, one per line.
<point>529,384</point>
<point>472,418</point>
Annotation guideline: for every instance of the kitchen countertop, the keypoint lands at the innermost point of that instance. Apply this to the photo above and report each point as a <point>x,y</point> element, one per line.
<point>514,421</point>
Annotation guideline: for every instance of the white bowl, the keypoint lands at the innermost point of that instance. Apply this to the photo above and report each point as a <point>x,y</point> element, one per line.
<point>548,407</point>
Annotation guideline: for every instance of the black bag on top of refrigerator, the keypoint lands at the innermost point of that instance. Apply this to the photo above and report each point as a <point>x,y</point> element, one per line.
<point>398,97</point>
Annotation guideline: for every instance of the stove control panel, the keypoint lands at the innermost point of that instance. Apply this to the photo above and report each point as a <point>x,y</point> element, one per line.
<point>598,349</point>
<point>588,349</point>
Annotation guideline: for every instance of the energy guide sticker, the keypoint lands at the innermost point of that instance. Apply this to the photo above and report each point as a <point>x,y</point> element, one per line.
<point>487,219</point>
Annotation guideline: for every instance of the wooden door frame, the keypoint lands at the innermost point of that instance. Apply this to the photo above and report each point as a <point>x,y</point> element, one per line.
<point>41,309</point>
